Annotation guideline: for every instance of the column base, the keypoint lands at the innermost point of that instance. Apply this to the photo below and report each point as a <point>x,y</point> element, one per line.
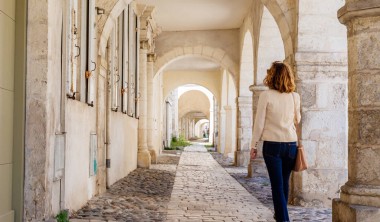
<point>143,159</point>
<point>153,155</point>
<point>242,158</point>
<point>344,212</point>
<point>257,168</point>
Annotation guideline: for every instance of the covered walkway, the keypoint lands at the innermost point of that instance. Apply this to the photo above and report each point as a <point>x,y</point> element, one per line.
<point>190,185</point>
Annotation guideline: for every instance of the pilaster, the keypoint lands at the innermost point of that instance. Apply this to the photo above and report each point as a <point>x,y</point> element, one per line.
<point>143,155</point>
<point>150,107</point>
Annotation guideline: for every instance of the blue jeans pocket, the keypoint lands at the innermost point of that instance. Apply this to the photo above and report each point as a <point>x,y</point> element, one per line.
<point>271,149</point>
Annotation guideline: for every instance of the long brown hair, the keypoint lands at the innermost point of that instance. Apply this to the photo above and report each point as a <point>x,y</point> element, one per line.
<point>280,77</point>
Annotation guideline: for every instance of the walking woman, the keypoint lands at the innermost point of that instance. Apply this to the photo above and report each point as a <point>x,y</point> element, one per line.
<point>278,109</point>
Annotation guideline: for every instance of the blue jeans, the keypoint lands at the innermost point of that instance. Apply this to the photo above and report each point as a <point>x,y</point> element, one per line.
<point>280,159</point>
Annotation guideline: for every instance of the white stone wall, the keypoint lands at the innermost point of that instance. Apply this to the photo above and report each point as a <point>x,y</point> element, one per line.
<point>208,79</point>
<point>50,112</point>
<point>270,46</point>
<point>220,46</point>
<point>321,67</point>
<point>123,146</point>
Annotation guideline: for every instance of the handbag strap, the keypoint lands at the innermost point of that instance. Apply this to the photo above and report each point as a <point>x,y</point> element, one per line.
<point>296,121</point>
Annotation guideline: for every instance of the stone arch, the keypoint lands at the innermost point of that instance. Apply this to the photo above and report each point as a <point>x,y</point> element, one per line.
<point>246,75</point>
<point>197,84</point>
<point>199,125</point>
<point>119,6</point>
<point>214,54</point>
<point>286,34</point>
<point>270,46</point>
<point>194,101</point>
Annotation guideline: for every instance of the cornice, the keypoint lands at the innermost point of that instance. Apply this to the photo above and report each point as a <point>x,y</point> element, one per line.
<point>364,8</point>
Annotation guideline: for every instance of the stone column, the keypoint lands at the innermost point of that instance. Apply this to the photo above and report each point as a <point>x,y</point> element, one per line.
<point>228,136</point>
<point>168,124</point>
<point>321,69</point>
<point>257,166</point>
<point>360,196</point>
<point>244,127</point>
<point>216,127</point>
<point>211,127</point>
<point>185,128</point>
<point>191,128</point>
<point>222,130</point>
<point>175,114</point>
<point>143,155</point>
<point>151,108</point>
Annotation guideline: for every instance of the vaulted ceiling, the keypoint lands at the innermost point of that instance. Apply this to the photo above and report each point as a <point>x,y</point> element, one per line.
<point>181,15</point>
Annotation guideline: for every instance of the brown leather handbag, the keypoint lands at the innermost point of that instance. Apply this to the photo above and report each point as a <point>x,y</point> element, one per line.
<point>301,163</point>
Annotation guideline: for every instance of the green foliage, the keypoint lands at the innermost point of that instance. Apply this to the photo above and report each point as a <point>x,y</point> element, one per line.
<point>172,148</point>
<point>63,216</point>
<point>179,142</point>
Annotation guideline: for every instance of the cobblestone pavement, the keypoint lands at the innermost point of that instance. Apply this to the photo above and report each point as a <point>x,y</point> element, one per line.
<point>141,196</point>
<point>204,191</point>
<point>259,186</point>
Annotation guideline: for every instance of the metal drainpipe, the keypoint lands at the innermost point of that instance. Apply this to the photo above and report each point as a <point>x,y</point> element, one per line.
<point>108,137</point>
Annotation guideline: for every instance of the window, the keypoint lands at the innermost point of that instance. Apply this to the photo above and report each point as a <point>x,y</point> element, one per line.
<point>73,50</point>
<point>118,63</point>
<point>80,81</point>
<point>91,54</point>
<point>123,63</point>
<point>134,46</point>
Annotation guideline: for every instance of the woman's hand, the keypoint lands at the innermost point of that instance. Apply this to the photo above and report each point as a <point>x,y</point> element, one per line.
<point>253,153</point>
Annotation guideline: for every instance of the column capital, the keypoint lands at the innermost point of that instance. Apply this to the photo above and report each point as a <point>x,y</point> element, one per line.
<point>144,45</point>
<point>363,8</point>
<point>256,88</point>
<point>152,57</point>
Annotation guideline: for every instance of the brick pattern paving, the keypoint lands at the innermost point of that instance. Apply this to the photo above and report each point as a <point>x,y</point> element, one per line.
<point>204,191</point>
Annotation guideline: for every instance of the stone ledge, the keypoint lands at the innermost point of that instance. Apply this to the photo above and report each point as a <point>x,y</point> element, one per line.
<point>364,8</point>
<point>254,88</point>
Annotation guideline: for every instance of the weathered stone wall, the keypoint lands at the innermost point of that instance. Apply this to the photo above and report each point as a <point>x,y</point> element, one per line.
<point>360,196</point>
<point>41,110</point>
<point>321,68</point>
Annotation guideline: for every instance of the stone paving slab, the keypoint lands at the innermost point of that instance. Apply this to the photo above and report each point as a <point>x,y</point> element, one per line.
<point>195,148</point>
<point>259,187</point>
<point>204,191</point>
